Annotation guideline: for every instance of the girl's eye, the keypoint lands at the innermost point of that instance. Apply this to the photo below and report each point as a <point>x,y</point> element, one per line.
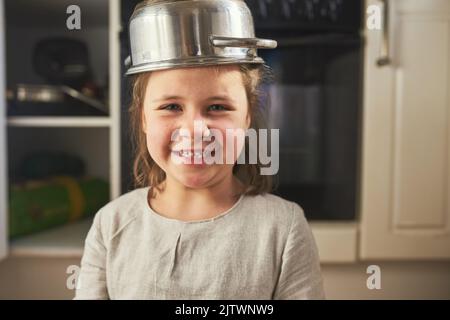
<point>172,107</point>
<point>217,107</point>
<point>176,107</point>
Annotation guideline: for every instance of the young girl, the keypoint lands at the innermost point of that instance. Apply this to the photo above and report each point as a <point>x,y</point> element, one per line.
<point>197,230</point>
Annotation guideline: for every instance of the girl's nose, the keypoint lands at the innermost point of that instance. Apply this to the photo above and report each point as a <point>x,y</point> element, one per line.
<point>194,129</point>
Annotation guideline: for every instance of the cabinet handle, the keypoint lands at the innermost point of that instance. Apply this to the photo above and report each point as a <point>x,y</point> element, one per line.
<point>384,59</point>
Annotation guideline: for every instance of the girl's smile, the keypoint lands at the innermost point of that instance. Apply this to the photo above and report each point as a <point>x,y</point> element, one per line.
<point>190,157</point>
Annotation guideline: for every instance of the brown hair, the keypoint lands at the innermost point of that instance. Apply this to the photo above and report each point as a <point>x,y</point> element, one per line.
<point>147,173</point>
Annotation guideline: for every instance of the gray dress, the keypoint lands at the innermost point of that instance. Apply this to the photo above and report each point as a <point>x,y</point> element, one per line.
<point>261,248</point>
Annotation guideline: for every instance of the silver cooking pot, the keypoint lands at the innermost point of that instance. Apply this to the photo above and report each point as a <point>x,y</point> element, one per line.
<point>181,33</point>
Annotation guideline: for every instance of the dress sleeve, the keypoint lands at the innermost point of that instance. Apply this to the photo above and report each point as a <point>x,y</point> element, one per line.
<point>300,276</point>
<point>91,284</point>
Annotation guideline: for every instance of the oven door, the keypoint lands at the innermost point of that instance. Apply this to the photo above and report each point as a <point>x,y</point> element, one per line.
<point>315,101</point>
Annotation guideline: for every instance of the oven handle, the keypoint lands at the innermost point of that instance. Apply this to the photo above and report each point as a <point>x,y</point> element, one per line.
<point>383,59</point>
<point>320,39</point>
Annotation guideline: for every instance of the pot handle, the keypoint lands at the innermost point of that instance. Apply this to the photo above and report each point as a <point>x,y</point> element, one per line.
<point>127,62</point>
<point>221,41</point>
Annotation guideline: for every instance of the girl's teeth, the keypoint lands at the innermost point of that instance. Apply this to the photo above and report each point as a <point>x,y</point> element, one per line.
<point>185,153</point>
<point>188,154</point>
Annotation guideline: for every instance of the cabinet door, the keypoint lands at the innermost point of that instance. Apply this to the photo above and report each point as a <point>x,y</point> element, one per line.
<point>3,177</point>
<point>406,135</point>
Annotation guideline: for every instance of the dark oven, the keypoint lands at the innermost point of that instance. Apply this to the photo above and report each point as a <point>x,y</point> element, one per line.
<point>316,100</point>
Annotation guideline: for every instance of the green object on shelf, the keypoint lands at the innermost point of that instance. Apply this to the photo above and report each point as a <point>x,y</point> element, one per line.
<point>40,205</point>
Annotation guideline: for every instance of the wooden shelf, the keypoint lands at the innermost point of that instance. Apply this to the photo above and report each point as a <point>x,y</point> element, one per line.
<point>61,242</point>
<point>58,121</point>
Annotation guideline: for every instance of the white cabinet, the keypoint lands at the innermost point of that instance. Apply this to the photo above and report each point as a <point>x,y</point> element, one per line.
<point>95,139</point>
<point>406,138</point>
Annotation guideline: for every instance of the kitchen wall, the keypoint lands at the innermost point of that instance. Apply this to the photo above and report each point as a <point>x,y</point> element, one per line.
<point>45,278</point>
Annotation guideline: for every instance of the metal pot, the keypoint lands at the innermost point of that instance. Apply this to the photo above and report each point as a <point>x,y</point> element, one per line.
<point>181,33</point>
<point>52,94</point>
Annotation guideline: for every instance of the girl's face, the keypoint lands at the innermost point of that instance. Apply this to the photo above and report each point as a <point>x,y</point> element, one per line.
<point>174,100</point>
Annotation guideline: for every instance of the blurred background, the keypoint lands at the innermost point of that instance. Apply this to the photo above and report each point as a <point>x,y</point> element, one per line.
<point>360,97</point>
